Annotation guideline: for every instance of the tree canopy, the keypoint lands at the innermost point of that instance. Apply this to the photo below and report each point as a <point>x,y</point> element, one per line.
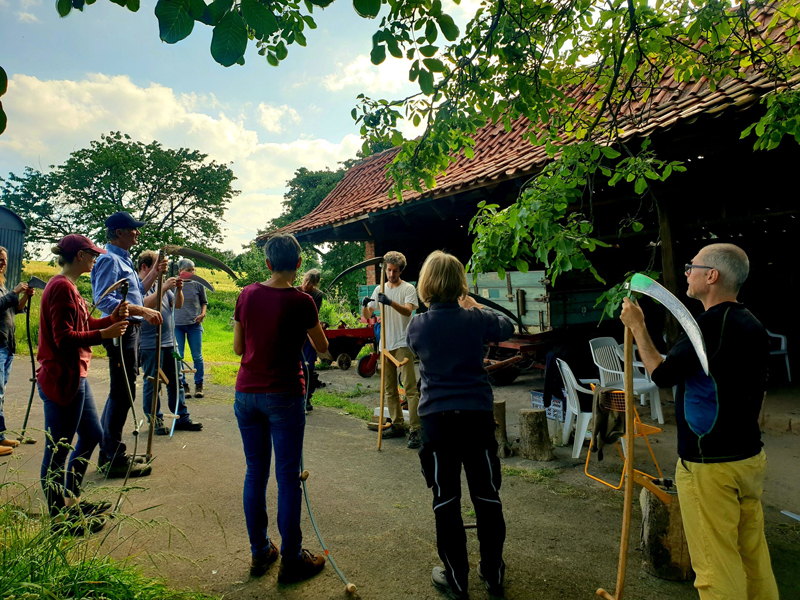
<point>572,68</point>
<point>179,193</point>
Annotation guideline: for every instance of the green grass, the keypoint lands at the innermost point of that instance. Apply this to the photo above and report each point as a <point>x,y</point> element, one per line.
<point>341,400</point>
<point>224,374</point>
<point>529,475</point>
<point>38,563</point>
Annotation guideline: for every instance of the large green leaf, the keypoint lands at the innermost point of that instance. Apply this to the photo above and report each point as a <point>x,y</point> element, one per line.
<point>174,20</point>
<point>229,40</point>
<point>378,54</point>
<point>368,9</point>
<point>64,7</point>
<point>3,81</point>
<point>426,82</point>
<point>3,119</point>
<point>213,14</point>
<point>259,18</point>
<point>434,65</point>
<point>448,27</point>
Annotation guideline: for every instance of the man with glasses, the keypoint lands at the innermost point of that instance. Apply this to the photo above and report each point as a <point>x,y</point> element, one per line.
<point>122,232</point>
<point>721,467</point>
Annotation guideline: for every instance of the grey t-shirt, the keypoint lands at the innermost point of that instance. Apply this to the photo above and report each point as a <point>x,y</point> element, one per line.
<point>194,297</point>
<point>149,332</point>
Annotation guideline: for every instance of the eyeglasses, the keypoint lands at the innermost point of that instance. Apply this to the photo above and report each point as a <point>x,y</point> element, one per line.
<point>688,268</point>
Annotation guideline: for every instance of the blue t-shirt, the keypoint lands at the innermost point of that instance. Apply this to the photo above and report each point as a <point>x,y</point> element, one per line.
<point>149,332</point>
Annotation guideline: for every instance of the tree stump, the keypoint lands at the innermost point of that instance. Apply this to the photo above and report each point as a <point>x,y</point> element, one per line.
<point>664,550</point>
<point>501,433</point>
<point>534,435</point>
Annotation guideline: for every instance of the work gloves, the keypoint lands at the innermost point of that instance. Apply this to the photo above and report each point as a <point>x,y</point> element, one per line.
<point>384,299</point>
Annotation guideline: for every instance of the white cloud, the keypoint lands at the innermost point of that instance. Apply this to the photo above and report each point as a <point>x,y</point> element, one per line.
<point>462,12</point>
<point>22,9</point>
<point>27,17</point>
<point>50,119</point>
<point>271,116</point>
<point>361,74</point>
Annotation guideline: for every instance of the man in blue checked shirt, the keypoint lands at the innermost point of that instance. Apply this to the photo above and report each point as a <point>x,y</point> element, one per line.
<point>122,232</point>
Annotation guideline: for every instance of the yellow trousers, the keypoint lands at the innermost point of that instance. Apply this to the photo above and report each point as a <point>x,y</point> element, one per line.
<point>409,385</point>
<point>724,525</point>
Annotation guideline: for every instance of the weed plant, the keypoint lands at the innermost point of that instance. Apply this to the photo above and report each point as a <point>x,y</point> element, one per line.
<point>38,561</point>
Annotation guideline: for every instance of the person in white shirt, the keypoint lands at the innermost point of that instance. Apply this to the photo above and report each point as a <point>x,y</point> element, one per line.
<point>399,300</point>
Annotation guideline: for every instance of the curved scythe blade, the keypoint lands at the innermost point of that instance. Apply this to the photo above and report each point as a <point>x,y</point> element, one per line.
<point>644,285</point>
<point>498,308</point>
<point>191,253</point>
<point>362,265</point>
<point>109,290</point>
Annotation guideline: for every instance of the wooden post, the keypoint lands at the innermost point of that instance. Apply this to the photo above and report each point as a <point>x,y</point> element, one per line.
<point>501,433</point>
<point>383,357</point>
<point>534,436</point>
<point>664,550</point>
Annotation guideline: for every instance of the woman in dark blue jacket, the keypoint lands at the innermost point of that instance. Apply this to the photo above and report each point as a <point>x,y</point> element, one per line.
<point>456,409</point>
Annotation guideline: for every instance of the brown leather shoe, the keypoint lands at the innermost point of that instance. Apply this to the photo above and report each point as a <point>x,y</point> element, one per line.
<point>198,390</point>
<point>298,569</point>
<point>5,451</point>
<point>260,564</point>
<point>8,443</point>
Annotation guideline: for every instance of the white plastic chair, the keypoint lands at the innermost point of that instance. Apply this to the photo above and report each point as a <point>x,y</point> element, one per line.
<point>604,355</point>
<point>781,350</point>
<point>574,409</point>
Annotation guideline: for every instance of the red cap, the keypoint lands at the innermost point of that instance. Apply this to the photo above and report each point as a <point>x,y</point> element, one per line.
<point>72,243</point>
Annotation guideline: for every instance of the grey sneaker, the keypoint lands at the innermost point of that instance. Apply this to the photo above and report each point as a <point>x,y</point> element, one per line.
<point>439,581</point>
<point>414,440</point>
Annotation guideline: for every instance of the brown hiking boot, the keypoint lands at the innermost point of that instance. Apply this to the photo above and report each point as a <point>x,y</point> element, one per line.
<point>198,390</point>
<point>298,569</point>
<point>5,451</point>
<point>8,443</point>
<point>259,564</point>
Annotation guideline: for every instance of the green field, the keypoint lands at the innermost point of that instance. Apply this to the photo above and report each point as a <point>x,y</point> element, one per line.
<point>221,363</point>
<point>218,337</point>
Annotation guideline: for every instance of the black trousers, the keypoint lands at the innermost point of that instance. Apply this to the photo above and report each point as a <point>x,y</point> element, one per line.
<point>115,412</point>
<point>450,440</point>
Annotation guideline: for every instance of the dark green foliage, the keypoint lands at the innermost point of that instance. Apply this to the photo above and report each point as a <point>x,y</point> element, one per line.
<point>179,193</point>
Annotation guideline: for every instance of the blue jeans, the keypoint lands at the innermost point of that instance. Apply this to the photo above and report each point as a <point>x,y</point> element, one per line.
<point>173,392</point>
<point>194,333</point>
<point>6,358</point>
<point>310,358</point>
<point>267,420</point>
<point>61,423</point>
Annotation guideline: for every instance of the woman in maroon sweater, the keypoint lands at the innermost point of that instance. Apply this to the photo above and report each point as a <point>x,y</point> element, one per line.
<point>66,334</point>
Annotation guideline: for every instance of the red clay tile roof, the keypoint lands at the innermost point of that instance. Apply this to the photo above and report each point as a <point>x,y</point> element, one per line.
<point>501,155</point>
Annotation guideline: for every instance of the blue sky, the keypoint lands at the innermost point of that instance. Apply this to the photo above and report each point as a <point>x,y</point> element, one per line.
<point>105,69</point>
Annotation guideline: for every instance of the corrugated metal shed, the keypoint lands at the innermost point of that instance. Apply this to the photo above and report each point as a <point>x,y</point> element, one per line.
<point>12,237</point>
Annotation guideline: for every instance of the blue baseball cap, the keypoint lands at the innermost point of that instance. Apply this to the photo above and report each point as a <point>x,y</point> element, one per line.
<point>123,220</point>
